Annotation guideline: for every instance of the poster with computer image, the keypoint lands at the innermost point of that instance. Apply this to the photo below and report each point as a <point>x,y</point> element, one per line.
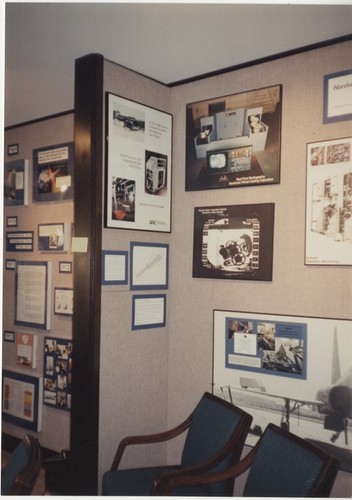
<point>329,203</point>
<point>138,166</point>
<point>234,242</point>
<point>292,371</point>
<point>234,140</point>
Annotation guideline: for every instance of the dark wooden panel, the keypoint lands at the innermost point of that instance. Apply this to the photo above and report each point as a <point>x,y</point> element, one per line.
<point>87,272</point>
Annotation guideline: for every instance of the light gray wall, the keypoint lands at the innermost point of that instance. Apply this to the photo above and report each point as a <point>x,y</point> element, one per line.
<point>55,433</point>
<point>134,364</point>
<point>295,289</point>
<point>151,380</point>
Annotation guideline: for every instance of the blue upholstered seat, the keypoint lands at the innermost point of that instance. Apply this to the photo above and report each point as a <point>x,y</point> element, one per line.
<point>22,468</point>
<point>281,465</point>
<point>215,439</point>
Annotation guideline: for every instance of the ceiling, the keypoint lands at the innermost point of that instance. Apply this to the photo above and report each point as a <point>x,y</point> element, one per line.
<point>166,41</point>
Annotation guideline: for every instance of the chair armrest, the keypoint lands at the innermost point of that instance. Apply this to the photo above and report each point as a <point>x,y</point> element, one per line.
<point>148,439</point>
<point>187,477</point>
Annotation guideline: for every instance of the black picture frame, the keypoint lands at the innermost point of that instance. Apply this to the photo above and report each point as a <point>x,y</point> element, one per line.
<point>234,140</point>
<point>234,242</point>
<point>53,173</point>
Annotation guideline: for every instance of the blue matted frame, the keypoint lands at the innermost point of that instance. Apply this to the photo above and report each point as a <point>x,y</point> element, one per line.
<point>33,422</point>
<point>155,259</point>
<point>338,86</point>
<point>152,301</point>
<point>117,253</point>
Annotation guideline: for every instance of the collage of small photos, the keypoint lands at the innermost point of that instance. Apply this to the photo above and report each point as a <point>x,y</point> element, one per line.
<point>57,372</point>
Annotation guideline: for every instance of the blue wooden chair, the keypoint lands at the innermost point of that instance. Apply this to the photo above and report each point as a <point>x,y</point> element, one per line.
<point>216,432</point>
<point>281,465</point>
<point>22,469</point>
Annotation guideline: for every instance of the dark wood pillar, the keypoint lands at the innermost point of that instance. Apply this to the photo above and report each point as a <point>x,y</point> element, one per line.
<point>88,175</point>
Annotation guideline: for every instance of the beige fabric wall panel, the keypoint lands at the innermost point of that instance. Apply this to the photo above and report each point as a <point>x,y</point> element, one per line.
<point>55,433</point>
<point>295,288</point>
<point>134,365</point>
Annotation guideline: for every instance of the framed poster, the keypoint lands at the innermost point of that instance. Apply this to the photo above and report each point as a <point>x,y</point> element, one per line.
<point>289,370</point>
<point>54,237</point>
<point>138,166</point>
<point>63,301</point>
<point>57,372</point>
<point>338,96</point>
<point>33,294</point>
<point>22,400</point>
<point>234,242</point>
<point>234,140</point>
<point>329,203</point>
<point>16,183</point>
<point>149,266</point>
<point>53,172</point>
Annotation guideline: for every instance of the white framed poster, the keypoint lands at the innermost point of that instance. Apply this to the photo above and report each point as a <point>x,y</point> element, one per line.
<point>149,266</point>
<point>329,203</point>
<point>138,166</point>
<point>293,371</point>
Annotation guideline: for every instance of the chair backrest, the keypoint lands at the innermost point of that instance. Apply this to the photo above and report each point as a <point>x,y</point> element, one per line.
<point>285,465</point>
<point>21,471</point>
<point>216,424</point>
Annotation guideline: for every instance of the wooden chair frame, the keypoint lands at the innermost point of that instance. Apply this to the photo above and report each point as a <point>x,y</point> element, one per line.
<point>234,445</point>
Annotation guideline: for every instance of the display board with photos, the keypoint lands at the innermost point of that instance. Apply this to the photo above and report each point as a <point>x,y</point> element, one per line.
<point>57,372</point>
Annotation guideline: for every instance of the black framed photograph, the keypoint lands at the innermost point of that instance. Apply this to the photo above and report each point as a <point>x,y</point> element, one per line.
<point>53,169</point>
<point>138,166</point>
<point>234,140</point>
<point>338,96</point>
<point>63,301</point>
<point>234,242</point>
<point>329,203</point>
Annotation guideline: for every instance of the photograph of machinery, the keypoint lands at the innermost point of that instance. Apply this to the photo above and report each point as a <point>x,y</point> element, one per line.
<point>329,203</point>
<point>233,242</point>
<point>234,141</point>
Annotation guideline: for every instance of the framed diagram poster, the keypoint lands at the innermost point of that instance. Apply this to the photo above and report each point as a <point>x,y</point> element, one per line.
<point>22,400</point>
<point>234,140</point>
<point>329,203</point>
<point>139,166</point>
<point>234,242</point>
<point>293,371</point>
